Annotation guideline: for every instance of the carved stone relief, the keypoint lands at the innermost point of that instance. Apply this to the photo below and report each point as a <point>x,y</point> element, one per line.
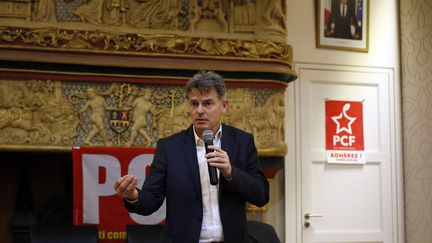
<point>168,44</point>
<point>16,9</point>
<point>35,112</point>
<point>176,15</point>
<point>140,25</point>
<point>65,114</point>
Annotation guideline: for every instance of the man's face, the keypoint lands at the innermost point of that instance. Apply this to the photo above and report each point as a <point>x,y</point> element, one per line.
<point>206,110</point>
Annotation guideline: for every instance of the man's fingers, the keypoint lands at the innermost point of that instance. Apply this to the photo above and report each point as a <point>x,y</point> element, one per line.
<point>122,179</point>
<point>215,148</point>
<point>125,183</point>
<point>132,185</point>
<point>219,159</point>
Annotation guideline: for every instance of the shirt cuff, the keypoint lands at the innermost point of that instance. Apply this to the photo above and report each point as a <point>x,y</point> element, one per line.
<point>131,201</point>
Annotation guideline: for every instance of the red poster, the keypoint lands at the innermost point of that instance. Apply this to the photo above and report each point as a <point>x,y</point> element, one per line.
<point>95,201</point>
<point>344,132</point>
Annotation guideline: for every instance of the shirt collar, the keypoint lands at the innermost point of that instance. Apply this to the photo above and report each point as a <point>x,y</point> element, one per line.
<point>200,142</point>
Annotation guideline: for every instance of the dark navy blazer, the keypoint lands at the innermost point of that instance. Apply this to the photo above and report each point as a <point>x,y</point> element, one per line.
<point>175,176</point>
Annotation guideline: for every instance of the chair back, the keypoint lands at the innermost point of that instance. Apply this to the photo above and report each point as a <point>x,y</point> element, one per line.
<point>262,232</point>
<point>138,233</point>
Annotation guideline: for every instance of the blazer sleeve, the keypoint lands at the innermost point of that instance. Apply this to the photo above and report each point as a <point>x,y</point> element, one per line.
<point>153,192</point>
<point>247,178</point>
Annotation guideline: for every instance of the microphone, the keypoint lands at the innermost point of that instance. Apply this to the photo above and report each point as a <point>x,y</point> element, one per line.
<point>208,140</point>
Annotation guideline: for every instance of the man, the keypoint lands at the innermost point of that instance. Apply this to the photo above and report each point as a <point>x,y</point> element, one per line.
<point>342,22</point>
<point>196,210</point>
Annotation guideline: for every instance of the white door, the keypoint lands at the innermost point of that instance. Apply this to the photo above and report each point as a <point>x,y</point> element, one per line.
<point>345,203</point>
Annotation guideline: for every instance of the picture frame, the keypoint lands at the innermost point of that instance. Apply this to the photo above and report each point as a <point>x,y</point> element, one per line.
<point>343,25</point>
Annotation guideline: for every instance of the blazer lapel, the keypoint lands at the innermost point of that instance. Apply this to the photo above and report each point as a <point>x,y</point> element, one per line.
<point>189,149</point>
<point>227,144</point>
<point>227,140</point>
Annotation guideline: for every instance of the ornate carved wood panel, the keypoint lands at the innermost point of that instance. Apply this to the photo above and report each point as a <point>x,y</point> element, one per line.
<point>110,72</point>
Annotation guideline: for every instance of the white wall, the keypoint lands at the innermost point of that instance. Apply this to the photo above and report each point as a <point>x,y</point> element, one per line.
<point>383,53</point>
<point>383,36</point>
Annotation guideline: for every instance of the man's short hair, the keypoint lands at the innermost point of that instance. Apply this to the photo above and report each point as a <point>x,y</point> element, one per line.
<point>205,81</point>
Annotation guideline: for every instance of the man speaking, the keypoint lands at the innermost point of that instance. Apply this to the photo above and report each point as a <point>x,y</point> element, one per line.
<point>197,210</point>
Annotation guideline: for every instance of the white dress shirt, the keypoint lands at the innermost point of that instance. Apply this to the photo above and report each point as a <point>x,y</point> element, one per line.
<point>343,9</point>
<point>211,228</point>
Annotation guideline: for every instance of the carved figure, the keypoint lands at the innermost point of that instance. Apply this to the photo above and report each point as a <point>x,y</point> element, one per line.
<point>45,37</point>
<point>274,15</point>
<point>244,17</point>
<point>141,106</point>
<point>45,11</point>
<point>176,44</point>
<point>153,14</point>
<point>269,49</point>
<point>208,17</point>
<point>117,42</point>
<point>247,49</point>
<point>226,47</point>
<point>98,108</point>
<point>21,112</point>
<point>80,40</point>
<point>275,112</point>
<point>17,117</point>
<point>204,46</point>
<point>207,46</point>
<point>60,115</point>
<point>144,43</point>
<point>116,11</point>
<point>172,19</point>
<point>91,12</point>
<point>18,97</point>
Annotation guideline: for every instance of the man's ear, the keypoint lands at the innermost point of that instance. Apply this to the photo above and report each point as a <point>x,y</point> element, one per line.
<point>225,106</point>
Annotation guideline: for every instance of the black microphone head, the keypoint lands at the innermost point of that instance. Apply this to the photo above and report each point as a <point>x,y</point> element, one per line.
<point>208,135</point>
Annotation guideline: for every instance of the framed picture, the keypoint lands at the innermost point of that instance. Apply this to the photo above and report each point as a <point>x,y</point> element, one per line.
<point>343,25</point>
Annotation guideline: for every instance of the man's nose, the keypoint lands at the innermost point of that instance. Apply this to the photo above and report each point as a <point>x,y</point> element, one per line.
<point>200,108</point>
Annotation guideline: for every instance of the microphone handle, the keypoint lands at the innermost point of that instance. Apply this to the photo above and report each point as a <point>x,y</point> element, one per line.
<point>211,169</point>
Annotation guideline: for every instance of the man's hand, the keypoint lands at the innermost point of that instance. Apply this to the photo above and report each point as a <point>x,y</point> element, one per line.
<point>219,159</point>
<point>126,187</point>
